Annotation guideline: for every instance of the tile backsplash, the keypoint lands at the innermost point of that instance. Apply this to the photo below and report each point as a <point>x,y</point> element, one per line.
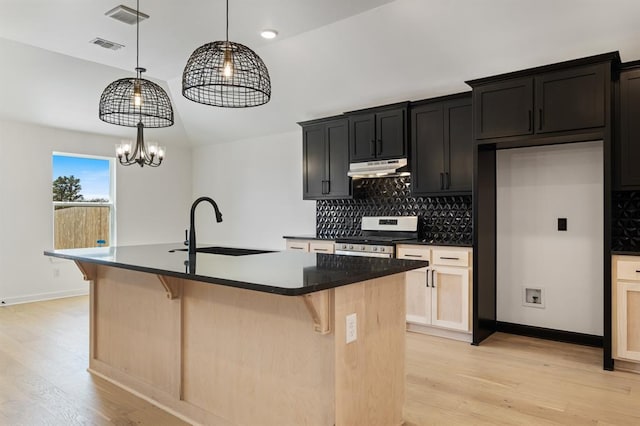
<point>625,213</point>
<point>443,219</point>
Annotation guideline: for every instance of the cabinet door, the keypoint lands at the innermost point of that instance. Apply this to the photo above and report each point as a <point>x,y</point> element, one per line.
<point>391,134</point>
<point>313,161</point>
<point>628,144</point>
<point>338,184</point>
<point>427,147</point>
<point>450,298</point>
<point>418,297</point>
<point>503,109</point>
<point>362,138</point>
<point>571,99</point>
<point>628,320</point>
<point>458,154</point>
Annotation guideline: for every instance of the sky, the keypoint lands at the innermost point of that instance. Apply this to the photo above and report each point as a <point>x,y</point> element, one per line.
<point>92,172</point>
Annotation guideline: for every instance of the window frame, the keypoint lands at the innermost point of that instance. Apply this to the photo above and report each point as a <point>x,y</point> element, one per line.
<point>112,196</point>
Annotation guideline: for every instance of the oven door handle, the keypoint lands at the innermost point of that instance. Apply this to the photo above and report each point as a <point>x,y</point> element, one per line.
<point>363,254</point>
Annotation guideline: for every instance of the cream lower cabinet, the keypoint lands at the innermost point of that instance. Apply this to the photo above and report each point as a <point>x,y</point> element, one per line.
<point>626,309</point>
<point>311,246</point>
<point>438,297</point>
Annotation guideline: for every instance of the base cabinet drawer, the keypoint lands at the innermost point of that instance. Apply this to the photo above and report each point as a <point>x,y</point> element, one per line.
<point>326,247</point>
<point>298,245</point>
<point>313,246</point>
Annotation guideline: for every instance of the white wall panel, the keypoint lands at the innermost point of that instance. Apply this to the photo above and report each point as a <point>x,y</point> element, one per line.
<point>535,187</point>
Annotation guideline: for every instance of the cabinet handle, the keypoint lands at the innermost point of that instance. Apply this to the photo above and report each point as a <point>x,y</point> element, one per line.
<point>441,180</point>
<point>296,248</point>
<point>447,180</point>
<point>449,258</point>
<point>320,249</point>
<point>637,272</point>
<point>433,278</point>
<point>413,255</point>
<point>379,146</point>
<point>540,119</point>
<point>530,120</point>
<point>372,148</point>
<point>427,274</point>
<point>326,187</point>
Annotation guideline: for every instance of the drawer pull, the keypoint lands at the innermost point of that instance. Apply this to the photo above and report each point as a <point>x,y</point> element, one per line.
<point>637,272</point>
<point>449,258</point>
<point>320,249</point>
<point>296,248</point>
<point>413,255</point>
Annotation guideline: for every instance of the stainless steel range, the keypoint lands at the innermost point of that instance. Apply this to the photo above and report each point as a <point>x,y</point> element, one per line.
<point>378,237</point>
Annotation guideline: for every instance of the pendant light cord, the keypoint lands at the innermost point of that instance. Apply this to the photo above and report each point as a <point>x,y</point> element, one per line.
<point>138,36</point>
<point>227,22</point>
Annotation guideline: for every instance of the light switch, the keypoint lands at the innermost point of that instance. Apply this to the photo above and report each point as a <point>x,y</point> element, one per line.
<point>562,224</point>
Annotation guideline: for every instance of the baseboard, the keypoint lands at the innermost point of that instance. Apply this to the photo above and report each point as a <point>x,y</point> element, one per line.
<point>551,334</point>
<point>631,367</point>
<point>43,296</point>
<point>439,332</point>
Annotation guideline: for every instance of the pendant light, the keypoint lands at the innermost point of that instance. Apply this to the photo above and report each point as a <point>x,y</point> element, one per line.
<point>137,102</point>
<point>226,74</point>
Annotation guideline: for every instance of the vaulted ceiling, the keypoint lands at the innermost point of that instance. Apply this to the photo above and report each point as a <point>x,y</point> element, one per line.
<point>331,55</point>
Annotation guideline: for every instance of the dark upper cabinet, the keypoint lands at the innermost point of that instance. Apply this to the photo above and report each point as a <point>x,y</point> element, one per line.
<point>363,135</point>
<point>378,134</point>
<point>627,144</point>
<point>504,109</point>
<point>325,152</point>
<point>571,99</point>
<point>442,146</point>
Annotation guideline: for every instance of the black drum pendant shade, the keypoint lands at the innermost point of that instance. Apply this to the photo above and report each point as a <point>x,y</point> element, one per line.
<point>117,105</point>
<point>226,74</point>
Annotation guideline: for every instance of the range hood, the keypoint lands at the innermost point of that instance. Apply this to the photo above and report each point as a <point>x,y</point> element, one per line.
<point>376,169</point>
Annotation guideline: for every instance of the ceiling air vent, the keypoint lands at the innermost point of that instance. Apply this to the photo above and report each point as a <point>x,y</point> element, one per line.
<point>125,14</point>
<point>112,45</point>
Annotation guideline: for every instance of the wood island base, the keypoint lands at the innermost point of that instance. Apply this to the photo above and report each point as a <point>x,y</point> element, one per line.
<point>219,355</point>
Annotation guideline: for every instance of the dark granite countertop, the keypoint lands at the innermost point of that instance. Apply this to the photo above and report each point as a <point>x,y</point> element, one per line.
<point>625,253</point>
<point>307,237</point>
<point>289,273</point>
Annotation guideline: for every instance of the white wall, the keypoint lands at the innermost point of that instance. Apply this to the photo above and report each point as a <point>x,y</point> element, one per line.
<point>535,187</point>
<point>151,204</point>
<point>257,183</point>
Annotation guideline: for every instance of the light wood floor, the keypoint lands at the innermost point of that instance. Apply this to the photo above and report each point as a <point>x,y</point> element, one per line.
<point>507,380</point>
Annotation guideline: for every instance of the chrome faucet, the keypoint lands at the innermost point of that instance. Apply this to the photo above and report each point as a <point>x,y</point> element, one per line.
<point>191,242</point>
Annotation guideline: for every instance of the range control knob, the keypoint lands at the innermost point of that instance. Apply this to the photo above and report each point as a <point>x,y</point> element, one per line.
<point>350,247</point>
<point>375,248</point>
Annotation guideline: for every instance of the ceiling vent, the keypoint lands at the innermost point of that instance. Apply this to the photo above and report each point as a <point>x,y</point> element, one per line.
<point>125,14</point>
<point>111,45</point>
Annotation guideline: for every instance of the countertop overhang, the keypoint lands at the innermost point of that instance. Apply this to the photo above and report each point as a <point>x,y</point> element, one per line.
<point>288,273</point>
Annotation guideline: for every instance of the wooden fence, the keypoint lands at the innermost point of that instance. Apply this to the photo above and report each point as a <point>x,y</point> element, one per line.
<point>81,226</point>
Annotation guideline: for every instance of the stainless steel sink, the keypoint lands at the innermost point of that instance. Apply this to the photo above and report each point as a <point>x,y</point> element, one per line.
<point>225,251</point>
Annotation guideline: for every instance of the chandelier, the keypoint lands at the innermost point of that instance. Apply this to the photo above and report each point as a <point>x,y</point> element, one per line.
<point>137,102</point>
<point>226,74</point>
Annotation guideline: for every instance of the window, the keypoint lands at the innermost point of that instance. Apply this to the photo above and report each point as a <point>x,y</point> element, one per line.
<point>83,201</point>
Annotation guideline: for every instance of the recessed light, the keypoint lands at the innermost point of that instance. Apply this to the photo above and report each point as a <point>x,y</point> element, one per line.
<point>268,34</point>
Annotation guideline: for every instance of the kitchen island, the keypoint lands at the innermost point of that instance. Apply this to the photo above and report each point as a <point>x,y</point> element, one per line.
<point>256,339</point>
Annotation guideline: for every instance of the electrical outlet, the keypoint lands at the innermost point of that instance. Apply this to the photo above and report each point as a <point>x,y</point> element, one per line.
<point>352,328</point>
